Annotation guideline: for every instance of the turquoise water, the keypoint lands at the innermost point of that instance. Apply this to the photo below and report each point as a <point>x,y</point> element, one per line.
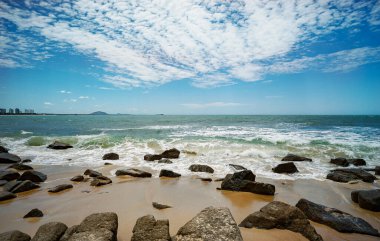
<point>257,142</point>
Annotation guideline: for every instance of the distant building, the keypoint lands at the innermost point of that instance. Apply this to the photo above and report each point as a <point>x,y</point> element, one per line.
<point>11,111</point>
<point>3,111</point>
<point>17,111</point>
<point>31,111</point>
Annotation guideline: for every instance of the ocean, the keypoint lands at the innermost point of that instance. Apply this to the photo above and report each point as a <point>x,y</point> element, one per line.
<point>255,142</point>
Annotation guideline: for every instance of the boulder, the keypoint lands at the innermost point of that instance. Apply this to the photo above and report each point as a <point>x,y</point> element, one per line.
<point>147,228</point>
<point>357,162</point>
<point>377,170</point>
<point>171,153</point>
<point>9,158</point>
<point>26,161</point>
<point>78,178</point>
<point>336,219</point>
<point>9,175</point>
<point>5,195</point>
<point>160,206</point>
<point>69,232</point>
<point>201,168</point>
<point>350,174</point>
<point>340,161</point>
<point>20,186</point>
<point>168,173</point>
<point>52,231</point>
<point>14,235</point>
<point>210,224</point>
<point>107,164</point>
<point>367,199</point>
<point>152,157</point>
<point>20,167</point>
<point>57,145</point>
<point>60,188</point>
<point>166,161</point>
<point>100,181</point>
<point>111,156</point>
<point>282,216</point>
<point>133,172</point>
<point>237,167</point>
<point>287,167</point>
<point>92,173</point>
<point>34,213</point>
<point>3,149</point>
<point>33,176</point>
<point>205,179</point>
<point>295,158</point>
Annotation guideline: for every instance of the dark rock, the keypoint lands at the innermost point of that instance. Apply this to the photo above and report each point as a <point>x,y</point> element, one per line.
<point>168,173</point>
<point>3,149</point>
<point>357,162</point>
<point>287,167</point>
<point>14,235</point>
<point>160,206</point>
<point>33,176</point>
<point>340,161</point>
<point>167,161</point>
<point>111,156</point>
<point>244,181</point>
<point>237,167</point>
<point>9,175</point>
<point>26,161</point>
<point>3,182</point>
<point>57,145</point>
<point>201,168</point>
<point>334,218</point>
<point>349,174</point>
<point>20,186</point>
<point>171,153</point>
<point>133,172</point>
<point>367,199</point>
<point>100,181</point>
<point>205,179</point>
<point>9,158</point>
<point>5,195</point>
<point>20,167</point>
<point>147,228</point>
<point>107,164</point>
<point>92,173</point>
<point>52,231</point>
<point>210,224</point>
<point>295,158</point>
<point>377,170</point>
<point>152,157</point>
<point>78,178</point>
<point>34,213</point>
<point>282,216</point>
<point>60,188</point>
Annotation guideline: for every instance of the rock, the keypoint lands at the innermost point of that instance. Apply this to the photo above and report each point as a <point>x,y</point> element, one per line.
<point>219,180</point>
<point>33,176</point>
<point>60,188</point>
<point>111,156</point>
<point>353,182</point>
<point>78,178</point>
<point>3,149</point>
<point>237,167</point>
<point>160,206</point>
<point>107,164</point>
<point>69,232</point>
<point>357,162</point>
<point>100,181</point>
<point>189,152</point>
<point>147,228</point>
<point>349,174</point>
<point>52,231</point>
<point>295,158</point>
<point>3,182</point>
<point>20,186</point>
<point>9,158</point>
<point>20,167</point>
<point>205,179</point>
<point>92,173</point>
<point>9,175</point>
<point>5,195</point>
<point>167,161</point>
<point>210,224</point>
<point>57,145</point>
<point>171,153</point>
<point>168,173</point>
<point>336,219</point>
<point>377,170</point>
<point>367,199</point>
<point>340,161</point>
<point>14,235</point>
<point>287,167</point>
<point>26,161</point>
<point>34,213</point>
<point>133,172</point>
<point>152,157</point>
<point>201,168</point>
<point>282,216</point>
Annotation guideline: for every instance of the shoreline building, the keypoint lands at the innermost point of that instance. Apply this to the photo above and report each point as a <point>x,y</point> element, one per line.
<point>3,111</point>
<point>11,111</point>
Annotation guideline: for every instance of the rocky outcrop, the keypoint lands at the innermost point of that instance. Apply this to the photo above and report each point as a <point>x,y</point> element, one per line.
<point>287,167</point>
<point>20,186</point>
<point>334,218</point>
<point>5,195</point>
<point>168,173</point>
<point>9,158</point>
<point>147,228</point>
<point>350,174</point>
<point>3,149</point>
<point>9,175</point>
<point>14,235</point>
<point>282,216</point>
<point>60,188</point>
<point>111,156</point>
<point>367,199</point>
<point>34,213</point>
<point>171,153</point>
<point>20,167</point>
<point>52,231</point>
<point>166,161</point>
<point>237,167</point>
<point>210,224</point>
<point>92,173</point>
<point>357,162</point>
<point>78,178</point>
<point>295,158</point>
<point>201,168</point>
<point>152,157</point>
<point>100,181</point>
<point>33,176</point>
<point>57,145</point>
<point>160,206</point>
<point>340,162</point>
<point>133,172</point>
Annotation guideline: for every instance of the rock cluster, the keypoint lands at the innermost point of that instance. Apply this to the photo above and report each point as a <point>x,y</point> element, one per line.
<point>367,199</point>
<point>350,174</point>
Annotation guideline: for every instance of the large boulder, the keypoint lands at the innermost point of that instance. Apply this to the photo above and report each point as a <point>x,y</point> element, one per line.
<point>171,153</point>
<point>3,149</point>
<point>367,199</point>
<point>34,213</point>
<point>357,162</point>
<point>14,235</point>
<point>350,174</point>
<point>20,167</point>
<point>168,173</point>
<point>287,167</point>
<point>20,186</point>
<point>9,175</point>
<point>147,228</point>
<point>52,231</point>
<point>5,195</point>
<point>210,224</point>
<point>282,216</point>
<point>111,156</point>
<point>57,145</point>
<point>133,172</point>
<point>295,158</point>
<point>9,158</point>
<point>334,218</point>
<point>60,188</point>
<point>92,173</point>
<point>201,168</point>
<point>100,181</point>
<point>340,161</point>
<point>78,178</point>
<point>152,157</point>
<point>237,167</point>
<point>33,176</point>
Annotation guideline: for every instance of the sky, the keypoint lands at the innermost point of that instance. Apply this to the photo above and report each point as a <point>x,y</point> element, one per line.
<point>191,56</point>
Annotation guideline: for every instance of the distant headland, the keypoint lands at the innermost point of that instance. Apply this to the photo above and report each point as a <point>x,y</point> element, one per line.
<point>98,113</point>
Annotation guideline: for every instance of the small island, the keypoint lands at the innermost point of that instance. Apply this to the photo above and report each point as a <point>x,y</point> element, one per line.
<point>98,113</point>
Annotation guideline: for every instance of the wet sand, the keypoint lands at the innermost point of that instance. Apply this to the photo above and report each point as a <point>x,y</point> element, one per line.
<point>132,198</point>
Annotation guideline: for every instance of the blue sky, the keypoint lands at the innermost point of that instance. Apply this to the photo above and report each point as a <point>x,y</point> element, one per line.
<point>191,56</point>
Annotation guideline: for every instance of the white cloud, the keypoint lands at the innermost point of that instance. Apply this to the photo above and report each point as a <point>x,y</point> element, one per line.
<point>48,103</point>
<point>70,100</point>
<point>211,104</point>
<point>64,92</point>
<point>83,97</point>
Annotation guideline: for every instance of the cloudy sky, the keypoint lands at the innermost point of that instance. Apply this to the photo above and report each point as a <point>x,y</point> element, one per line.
<point>191,56</point>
